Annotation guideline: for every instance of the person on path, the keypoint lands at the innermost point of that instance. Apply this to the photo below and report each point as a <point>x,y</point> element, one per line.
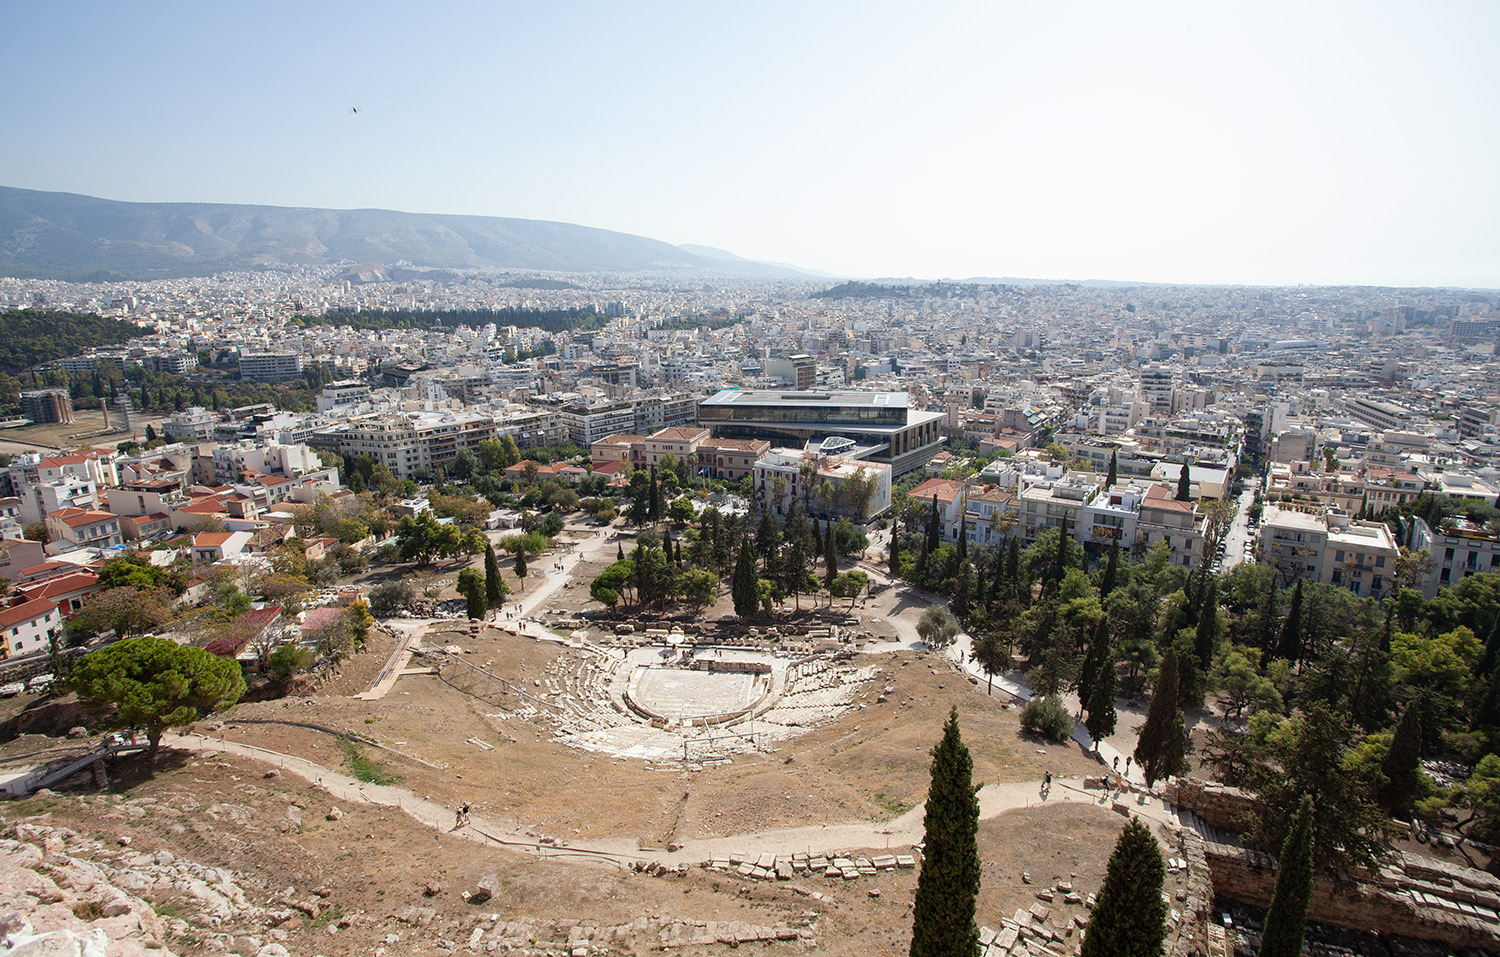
<point>1117,763</point>
<point>463,818</point>
<point>1046,784</point>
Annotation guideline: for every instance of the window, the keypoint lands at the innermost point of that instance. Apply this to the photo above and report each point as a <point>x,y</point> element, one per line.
<point>1379,561</point>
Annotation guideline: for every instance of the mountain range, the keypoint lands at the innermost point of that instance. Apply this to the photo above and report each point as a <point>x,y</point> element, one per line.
<point>82,238</point>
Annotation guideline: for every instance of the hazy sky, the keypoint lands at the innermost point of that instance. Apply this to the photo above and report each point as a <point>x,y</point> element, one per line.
<point>1201,142</point>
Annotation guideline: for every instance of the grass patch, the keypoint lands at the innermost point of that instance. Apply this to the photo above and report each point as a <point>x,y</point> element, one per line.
<point>362,768</point>
<point>891,805</point>
<point>169,911</point>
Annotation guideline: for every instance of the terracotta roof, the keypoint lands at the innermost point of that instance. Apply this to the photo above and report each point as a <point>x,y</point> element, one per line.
<point>737,445</point>
<point>210,539</point>
<point>26,611</point>
<point>945,489</point>
<point>78,517</point>
<point>80,580</point>
<point>1156,497</point>
<point>56,461</point>
<point>678,433</point>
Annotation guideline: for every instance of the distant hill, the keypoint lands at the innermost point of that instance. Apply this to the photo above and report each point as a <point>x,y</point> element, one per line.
<point>80,238</point>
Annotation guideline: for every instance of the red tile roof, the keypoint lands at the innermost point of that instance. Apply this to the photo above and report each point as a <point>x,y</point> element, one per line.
<point>26,611</point>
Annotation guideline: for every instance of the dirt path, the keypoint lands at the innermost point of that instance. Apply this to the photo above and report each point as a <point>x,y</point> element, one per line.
<point>994,799</point>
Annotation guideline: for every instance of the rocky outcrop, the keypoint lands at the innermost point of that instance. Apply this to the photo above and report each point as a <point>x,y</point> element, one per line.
<point>54,903</point>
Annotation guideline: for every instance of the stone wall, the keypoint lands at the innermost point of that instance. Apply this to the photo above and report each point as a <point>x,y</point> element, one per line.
<point>1406,899</point>
<point>1218,805</point>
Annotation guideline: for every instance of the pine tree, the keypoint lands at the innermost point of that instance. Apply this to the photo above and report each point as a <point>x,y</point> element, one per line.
<point>1184,485</point>
<point>1207,635</point>
<point>1289,646</point>
<point>934,527</point>
<point>1163,741</point>
<point>1402,767</point>
<point>1286,920</point>
<point>1114,471</point>
<point>471,585</point>
<point>494,585</point>
<point>744,587</point>
<point>1111,570</point>
<point>1060,557</point>
<point>943,913</point>
<point>1129,917</point>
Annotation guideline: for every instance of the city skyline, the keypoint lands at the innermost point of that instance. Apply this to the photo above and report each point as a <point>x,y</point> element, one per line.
<point>1278,145</point>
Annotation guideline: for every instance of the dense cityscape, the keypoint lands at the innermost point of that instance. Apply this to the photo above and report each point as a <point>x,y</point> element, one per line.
<point>1217,499</point>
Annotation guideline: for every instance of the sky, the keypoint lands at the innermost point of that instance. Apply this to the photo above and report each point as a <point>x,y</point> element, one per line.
<point>1309,142</point>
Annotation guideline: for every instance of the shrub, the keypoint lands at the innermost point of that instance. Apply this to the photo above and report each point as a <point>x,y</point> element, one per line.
<point>1048,717</point>
<point>391,596</point>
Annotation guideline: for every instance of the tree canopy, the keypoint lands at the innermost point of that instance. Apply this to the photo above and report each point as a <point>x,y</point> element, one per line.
<point>155,684</point>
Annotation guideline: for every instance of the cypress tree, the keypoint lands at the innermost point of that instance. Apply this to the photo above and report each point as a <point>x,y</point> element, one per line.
<point>744,587</point>
<point>494,585</point>
<point>830,559</point>
<point>1101,704</point>
<point>1491,649</point>
<point>767,536</point>
<point>656,503</point>
<point>1093,661</point>
<point>1111,570</point>
<point>1130,918</point>
<point>1114,470</point>
<point>1289,646</point>
<point>1163,740</point>
<point>521,566</point>
<point>943,913</point>
<point>1402,767</point>
<point>1268,618</point>
<point>1207,635</point>
<point>1286,920</point>
<point>1060,557</point>
<point>963,540</point>
<point>893,563</point>
<point>934,527</point>
<point>1013,566</point>
<point>963,588</point>
<point>619,552</point>
<point>1184,485</point>
<point>471,585</point>
<point>1487,715</point>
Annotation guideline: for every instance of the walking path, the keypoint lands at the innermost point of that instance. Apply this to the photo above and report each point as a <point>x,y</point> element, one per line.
<point>1015,685</point>
<point>994,799</point>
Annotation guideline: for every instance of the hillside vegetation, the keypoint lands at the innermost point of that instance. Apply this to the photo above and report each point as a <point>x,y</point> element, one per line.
<point>32,336</point>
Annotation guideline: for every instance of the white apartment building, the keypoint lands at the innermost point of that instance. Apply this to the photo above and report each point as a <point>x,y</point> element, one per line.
<point>1326,546</point>
<point>778,481</point>
<point>270,366</point>
<point>28,628</point>
<point>1459,548</point>
<point>410,444</point>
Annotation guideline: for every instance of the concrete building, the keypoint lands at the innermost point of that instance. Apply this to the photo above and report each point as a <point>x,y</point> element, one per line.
<point>271,366</point>
<point>820,483</point>
<point>29,627</point>
<point>410,444</point>
<point>1459,548</point>
<point>880,426</point>
<point>84,528</point>
<point>1327,546</point>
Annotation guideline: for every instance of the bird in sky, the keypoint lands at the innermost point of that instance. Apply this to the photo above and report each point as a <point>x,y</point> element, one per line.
<point>353,109</point>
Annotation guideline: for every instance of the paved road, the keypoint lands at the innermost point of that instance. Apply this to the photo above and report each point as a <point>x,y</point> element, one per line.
<point>1239,532</point>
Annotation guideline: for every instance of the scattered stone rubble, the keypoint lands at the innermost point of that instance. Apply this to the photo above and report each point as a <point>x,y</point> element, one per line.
<point>784,868</point>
